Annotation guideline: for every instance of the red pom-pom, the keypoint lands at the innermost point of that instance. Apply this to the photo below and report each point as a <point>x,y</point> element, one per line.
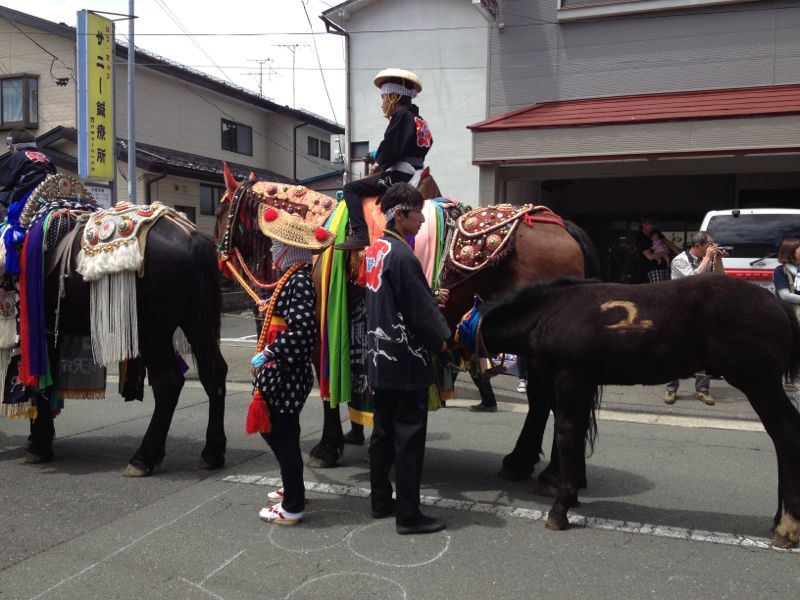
<point>258,415</point>
<point>270,214</point>
<point>321,234</point>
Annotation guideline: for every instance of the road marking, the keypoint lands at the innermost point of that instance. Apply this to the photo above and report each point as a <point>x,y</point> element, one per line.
<point>662,531</point>
<point>348,582</point>
<point>639,417</point>
<point>129,545</point>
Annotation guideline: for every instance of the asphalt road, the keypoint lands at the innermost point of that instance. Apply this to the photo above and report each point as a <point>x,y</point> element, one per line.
<point>671,512</point>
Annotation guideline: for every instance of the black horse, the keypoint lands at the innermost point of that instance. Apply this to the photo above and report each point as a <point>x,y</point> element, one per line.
<point>580,336</point>
<point>180,288</point>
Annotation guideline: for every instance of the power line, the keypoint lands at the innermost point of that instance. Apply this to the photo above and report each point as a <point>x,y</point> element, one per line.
<point>319,63</point>
<point>177,22</point>
<point>293,49</point>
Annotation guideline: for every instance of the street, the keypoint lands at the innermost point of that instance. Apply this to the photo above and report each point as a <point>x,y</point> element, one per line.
<point>671,511</point>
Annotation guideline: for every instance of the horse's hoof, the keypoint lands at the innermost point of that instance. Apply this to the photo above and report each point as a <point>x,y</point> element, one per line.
<point>315,462</point>
<point>133,471</point>
<point>556,523</point>
<point>210,464</point>
<point>782,542</point>
<point>36,459</point>
<point>544,488</point>
<point>512,475</point>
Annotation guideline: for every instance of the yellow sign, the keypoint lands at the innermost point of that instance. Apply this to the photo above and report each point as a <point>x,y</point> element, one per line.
<point>96,111</point>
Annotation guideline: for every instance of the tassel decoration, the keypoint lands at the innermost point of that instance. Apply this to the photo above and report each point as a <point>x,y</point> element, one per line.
<point>258,415</point>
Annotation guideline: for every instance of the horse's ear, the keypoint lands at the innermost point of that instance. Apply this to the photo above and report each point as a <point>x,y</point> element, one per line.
<point>230,180</point>
<point>252,177</point>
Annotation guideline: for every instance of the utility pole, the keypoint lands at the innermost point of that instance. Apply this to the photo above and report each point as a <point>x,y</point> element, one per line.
<point>261,62</point>
<point>131,105</point>
<point>293,49</point>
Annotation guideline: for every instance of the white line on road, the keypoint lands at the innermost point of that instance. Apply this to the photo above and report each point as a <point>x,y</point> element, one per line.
<point>663,531</point>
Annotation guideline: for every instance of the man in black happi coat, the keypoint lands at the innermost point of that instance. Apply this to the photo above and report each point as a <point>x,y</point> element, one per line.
<point>404,326</point>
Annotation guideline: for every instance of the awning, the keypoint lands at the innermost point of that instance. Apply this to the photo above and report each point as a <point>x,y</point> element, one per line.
<point>729,122</point>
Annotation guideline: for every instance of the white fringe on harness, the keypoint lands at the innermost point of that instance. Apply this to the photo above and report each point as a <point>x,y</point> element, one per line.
<point>115,322</point>
<point>112,305</point>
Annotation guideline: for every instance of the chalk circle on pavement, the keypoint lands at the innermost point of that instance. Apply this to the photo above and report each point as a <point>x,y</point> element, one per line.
<point>320,530</point>
<point>405,551</point>
<point>367,584</point>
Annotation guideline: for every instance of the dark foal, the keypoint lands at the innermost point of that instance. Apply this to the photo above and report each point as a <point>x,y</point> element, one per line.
<point>580,336</point>
<point>180,288</point>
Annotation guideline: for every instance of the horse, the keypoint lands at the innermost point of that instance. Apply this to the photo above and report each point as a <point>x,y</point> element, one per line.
<point>580,336</point>
<point>538,250</point>
<point>179,288</point>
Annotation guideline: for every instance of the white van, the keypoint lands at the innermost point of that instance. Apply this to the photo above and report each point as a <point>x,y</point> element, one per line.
<point>755,234</point>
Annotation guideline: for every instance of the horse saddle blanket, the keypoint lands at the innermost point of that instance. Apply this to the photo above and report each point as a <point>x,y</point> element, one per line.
<point>114,239</point>
<point>483,235</point>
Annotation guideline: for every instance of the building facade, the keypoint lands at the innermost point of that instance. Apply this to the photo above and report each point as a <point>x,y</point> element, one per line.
<point>446,44</point>
<point>187,123</point>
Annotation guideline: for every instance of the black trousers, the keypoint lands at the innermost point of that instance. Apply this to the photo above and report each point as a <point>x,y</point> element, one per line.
<point>398,438</point>
<point>284,439</point>
<point>374,185</point>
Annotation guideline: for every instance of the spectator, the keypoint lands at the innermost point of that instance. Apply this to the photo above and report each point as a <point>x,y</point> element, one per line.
<point>522,373</point>
<point>653,267</point>
<point>785,280</point>
<point>703,256</point>
<point>660,248</point>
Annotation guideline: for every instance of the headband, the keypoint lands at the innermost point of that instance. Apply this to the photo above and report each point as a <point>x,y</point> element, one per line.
<point>389,214</point>
<point>397,88</point>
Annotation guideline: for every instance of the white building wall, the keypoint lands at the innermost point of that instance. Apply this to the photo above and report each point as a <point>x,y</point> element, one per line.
<point>446,44</point>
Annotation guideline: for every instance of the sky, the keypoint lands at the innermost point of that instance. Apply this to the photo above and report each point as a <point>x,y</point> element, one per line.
<point>227,39</point>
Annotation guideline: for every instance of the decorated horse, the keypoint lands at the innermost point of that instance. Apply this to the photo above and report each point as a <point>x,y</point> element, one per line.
<point>102,287</point>
<point>488,251</point>
<point>580,336</point>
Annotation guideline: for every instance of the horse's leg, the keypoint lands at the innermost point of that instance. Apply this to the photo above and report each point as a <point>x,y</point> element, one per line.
<point>40,447</point>
<point>212,370</point>
<point>166,380</point>
<point>326,454</point>
<point>573,415</point>
<point>521,462</point>
<point>548,479</point>
<point>782,422</point>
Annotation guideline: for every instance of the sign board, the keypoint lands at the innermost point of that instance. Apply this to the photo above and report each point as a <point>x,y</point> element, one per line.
<point>101,193</point>
<point>96,140</point>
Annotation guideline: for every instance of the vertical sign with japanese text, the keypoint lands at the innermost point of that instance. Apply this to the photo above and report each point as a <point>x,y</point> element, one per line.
<point>96,140</point>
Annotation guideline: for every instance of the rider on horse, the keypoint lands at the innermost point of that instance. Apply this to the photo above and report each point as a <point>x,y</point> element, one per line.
<point>401,154</point>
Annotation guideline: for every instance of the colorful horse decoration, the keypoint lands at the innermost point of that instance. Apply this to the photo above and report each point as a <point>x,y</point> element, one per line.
<point>97,287</point>
<point>532,244</point>
<point>622,334</point>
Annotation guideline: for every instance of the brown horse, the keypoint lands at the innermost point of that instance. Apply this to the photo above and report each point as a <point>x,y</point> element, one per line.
<point>580,336</point>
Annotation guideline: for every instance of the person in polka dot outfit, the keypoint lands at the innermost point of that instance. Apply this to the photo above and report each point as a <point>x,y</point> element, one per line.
<point>282,370</point>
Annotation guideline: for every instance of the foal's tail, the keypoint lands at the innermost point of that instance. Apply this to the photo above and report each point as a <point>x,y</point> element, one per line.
<point>591,433</point>
<point>793,369</point>
<point>591,260</point>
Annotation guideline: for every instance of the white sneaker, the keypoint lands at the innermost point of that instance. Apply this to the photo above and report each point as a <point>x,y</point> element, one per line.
<point>523,386</point>
<point>276,496</point>
<point>275,514</point>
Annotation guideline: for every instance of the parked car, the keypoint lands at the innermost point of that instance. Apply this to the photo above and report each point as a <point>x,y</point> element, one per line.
<point>754,234</point>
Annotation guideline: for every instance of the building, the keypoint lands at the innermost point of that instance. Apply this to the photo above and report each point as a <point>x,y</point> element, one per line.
<point>446,43</point>
<point>605,111</point>
<point>187,122</point>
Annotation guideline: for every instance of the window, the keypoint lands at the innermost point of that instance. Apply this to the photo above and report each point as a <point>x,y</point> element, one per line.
<point>189,211</point>
<point>209,199</point>
<point>325,150</point>
<point>586,9</point>
<point>237,137</point>
<point>359,150</point>
<point>313,146</point>
<point>19,97</point>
